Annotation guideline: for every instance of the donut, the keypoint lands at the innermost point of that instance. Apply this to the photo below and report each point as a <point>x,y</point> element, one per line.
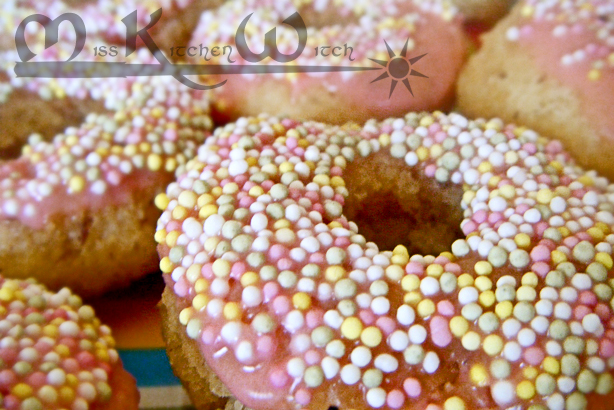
<point>56,354</point>
<point>483,11</point>
<point>356,33</point>
<point>550,66</point>
<point>276,298</point>
<point>76,207</point>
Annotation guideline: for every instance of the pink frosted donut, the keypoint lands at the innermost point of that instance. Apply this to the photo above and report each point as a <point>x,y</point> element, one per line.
<point>550,66</point>
<point>76,207</point>
<point>55,353</point>
<point>360,31</point>
<point>271,283</point>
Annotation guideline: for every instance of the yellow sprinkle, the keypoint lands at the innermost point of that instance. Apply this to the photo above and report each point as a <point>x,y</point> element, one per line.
<point>426,308</point>
<point>67,395</point>
<point>604,259</point>
<point>434,270</point>
<point>530,279</point>
<point>565,232</point>
<point>161,201</point>
<point>493,345</point>
<point>171,238</point>
<point>412,298</point>
<point>6,294</point>
<point>322,180</point>
<point>193,273</point>
<point>187,199</point>
<point>603,227</point>
<point>530,372</point>
<point>558,257</point>
<point>493,182</point>
<point>205,199</point>
<point>230,188</point>
<point>468,196</point>
<point>301,300</point>
<point>22,391</point>
<point>251,161</point>
<point>485,167</point>
<point>335,224</point>
<point>351,328</point>
<point>422,153</point>
<point>166,265</point>
<point>185,315</point>
<point>286,167</point>
<point>337,182</point>
<point>459,326</point>
<point>551,365</point>
<point>62,350</point>
<point>471,341</point>
<point>487,298</point>
<point>76,183</point>
<point>522,240</point>
<point>249,278</point>
<point>395,272</point>
<point>454,403</point>
<point>216,191</point>
<point>525,390</point>
<point>483,268</point>
<point>371,336</point>
<point>527,11</point>
<point>410,282</point>
<point>207,210</point>
<point>211,243</point>
<point>586,180</point>
<point>231,311</point>
<point>504,309</point>
<point>221,268</point>
<point>596,233</point>
<point>282,223</point>
<point>334,273</point>
<point>201,285</point>
<point>200,302</point>
<point>611,59</point>
<point>449,255</point>
<point>436,151</point>
<point>427,120</point>
<point>544,196</point>
<point>479,375</point>
<point>594,74</point>
<point>179,213</point>
<point>483,283</point>
<point>507,191</point>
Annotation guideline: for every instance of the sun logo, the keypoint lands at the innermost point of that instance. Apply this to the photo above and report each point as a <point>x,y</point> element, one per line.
<point>399,68</point>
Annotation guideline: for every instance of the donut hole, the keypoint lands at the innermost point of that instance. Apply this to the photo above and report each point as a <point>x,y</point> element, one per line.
<point>395,204</point>
<point>26,113</point>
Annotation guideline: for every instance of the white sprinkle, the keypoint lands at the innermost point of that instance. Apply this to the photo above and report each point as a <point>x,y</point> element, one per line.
<point>330,367</point>
<point>405,315</point>
<point>431,362</point>
<point>376,397</point>
<point>231,332</point>
<point>244,352</point>
<point>296,367</point>
<point>361,356</point>
<point>417,334</point>
<point>350,374</point>
<point>503,392</point>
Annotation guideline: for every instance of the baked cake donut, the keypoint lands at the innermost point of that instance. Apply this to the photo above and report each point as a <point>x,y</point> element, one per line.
<point>550,66</point>
<point>76,209</point>
<point>274,295</point>
<point>355,32</point>
<point>55,353</point>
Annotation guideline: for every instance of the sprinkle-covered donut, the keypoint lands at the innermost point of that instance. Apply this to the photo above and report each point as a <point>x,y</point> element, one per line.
<point>345,33</point>
<point>76,208</point>
<point>271,283</point>
<point>550,66</point>
<point>55,353</point>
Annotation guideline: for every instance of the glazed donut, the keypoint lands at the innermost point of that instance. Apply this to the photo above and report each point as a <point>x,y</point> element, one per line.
<point>77,210</point>
<point>361,31</point>
<point>550,66</point>
<point>272,288</point>
<point>56,354</point>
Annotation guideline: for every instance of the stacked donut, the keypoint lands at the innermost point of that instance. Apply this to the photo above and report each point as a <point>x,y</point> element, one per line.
<point>270,281</point>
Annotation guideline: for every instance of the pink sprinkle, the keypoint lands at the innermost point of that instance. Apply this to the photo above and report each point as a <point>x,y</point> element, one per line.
<point>395,399</point>
<point>318,207</point>
<point>534,356</point>
<point>540,253</point>
<point>312,357</point>
<point>541,227</point>
<point>270,289</point>
<point>584,236</point>
<point>554,147</point>
<point>530,148</point>
<point>291,143</point>
<point>495,217</point>
<point>570,241</point>
<point>336,171</point>
<point>441,260</point>
<point>469,227</point>
<point>285,264</point>
<point>7,379</point>
<point>114,177</point>
<point>342,242</point>
<point>433,407</point>
<point>387,324</point>
<point>480,216</point>
<point>607,348</point>
<point>277,252</point>
<point>588,298</point>
<point>522,208</point>
<point>314,318</point>
<point>434,127</point>
<point>544,179</point>
<point>265,345</point>
<point>302,397</point>
<point>429,170</point>
<point>299,151</point>
<point>312,196</point>
<point>207,271</point>
<point>8,354</point>
<point>412,387</point>
<point>70,365</point>
<point>440,331</point>
<point>414,268</point>
<point>366,316</point>
<point>316,258</point>
<point>278,378</point>
<point>86,360</point>
<point>541,269</point>
<point>238,269</point>
<point>208,335</point>
<point>170,134</point>
<point>445,308</point>
<point>266,185</point>
<point>281,305</point>
<point>11,402</point>
<point>181,289</point>
<point>36,380</point>
<point>453,267</point>
<point>246,202</point>
<point>603,311</point>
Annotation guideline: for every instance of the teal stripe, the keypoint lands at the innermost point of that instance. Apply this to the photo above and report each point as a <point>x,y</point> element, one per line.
<point>150,367</point>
